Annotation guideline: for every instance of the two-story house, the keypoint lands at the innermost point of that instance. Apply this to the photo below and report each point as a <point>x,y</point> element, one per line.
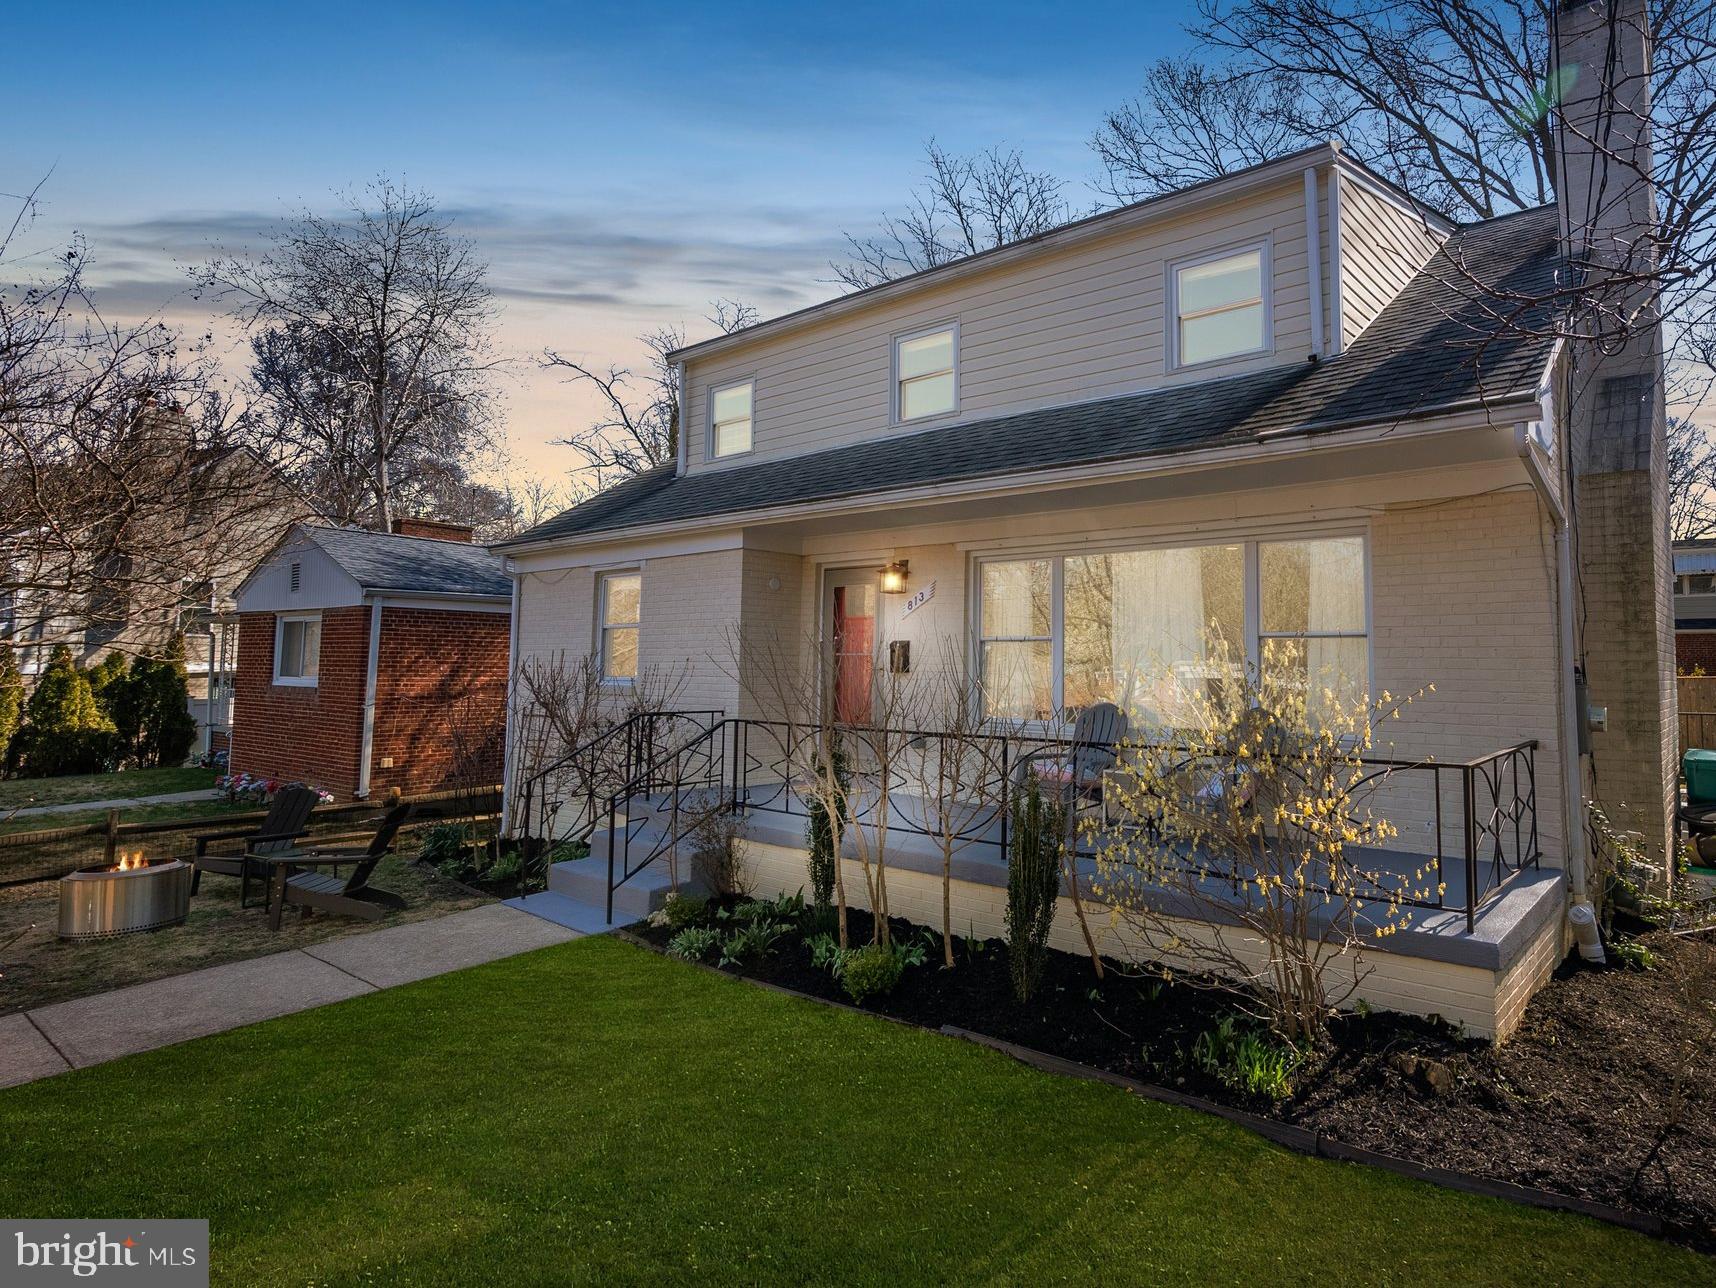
<point>1283,401</point>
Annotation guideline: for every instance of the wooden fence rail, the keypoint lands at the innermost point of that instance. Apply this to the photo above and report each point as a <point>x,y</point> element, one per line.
<point>57,852</point>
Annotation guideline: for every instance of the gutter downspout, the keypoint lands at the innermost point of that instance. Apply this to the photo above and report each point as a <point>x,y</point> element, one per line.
<point>1314,257</point>
<point>1581,915</point>
<point>511,688</point>
<point>367,750</point>
<point>684,449</point>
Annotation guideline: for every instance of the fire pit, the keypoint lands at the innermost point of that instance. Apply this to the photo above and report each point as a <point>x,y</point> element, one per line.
<point>124,897</point>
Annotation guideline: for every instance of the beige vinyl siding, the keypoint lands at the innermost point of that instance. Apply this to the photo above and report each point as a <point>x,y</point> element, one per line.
<point>1081,323</point>
<point>1382,247</point>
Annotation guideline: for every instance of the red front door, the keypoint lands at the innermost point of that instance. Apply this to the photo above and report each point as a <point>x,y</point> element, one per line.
<point>852,646</point>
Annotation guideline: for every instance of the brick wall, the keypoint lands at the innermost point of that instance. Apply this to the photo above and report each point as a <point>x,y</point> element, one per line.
<point>440,699</point>
<point>287,731</point>
<point>1695,649</point>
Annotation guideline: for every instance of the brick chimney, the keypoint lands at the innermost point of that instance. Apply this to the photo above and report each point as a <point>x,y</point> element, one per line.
<point>434,529</point>
<point>1616,413</point>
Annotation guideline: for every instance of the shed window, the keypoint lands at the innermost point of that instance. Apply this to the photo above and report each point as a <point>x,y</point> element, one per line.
<point>297,650</point>
<point>925,376</point>
<point>621,602</point>
<point>1220,308</point>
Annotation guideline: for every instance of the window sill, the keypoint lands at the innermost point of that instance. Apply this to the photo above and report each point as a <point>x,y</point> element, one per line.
<point>290,682</point>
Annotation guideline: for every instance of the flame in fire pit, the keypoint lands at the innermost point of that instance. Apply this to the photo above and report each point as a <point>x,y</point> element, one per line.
<point>134,860</point>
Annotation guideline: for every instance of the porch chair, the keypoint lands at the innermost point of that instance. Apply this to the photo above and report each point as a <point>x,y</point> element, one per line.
<point>352,897</point>
<point>1077,771</point>
<point>281,829</point>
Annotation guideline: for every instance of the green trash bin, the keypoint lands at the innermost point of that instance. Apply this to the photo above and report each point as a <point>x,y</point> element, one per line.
<point>1699,767</point>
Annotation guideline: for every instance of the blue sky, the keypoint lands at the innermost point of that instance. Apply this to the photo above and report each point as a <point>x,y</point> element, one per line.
<point>619,165</point>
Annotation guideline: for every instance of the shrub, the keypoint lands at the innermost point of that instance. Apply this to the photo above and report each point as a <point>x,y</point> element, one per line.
<point>751,942</point>
<point>715,861</point>
<point>694,943</point>
<point>820,836</point>
<point>1033,882</point>
<point>11,696</point>
<point>63,731</point>
<point>148,703</point>
<point>679,911</point>
<point>40,753</point>
<point>870,971</point>
<point>445,847</point>
<point>1245,1060</point>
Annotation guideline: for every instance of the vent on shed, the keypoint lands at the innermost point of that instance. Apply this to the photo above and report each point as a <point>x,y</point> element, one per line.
<point>297,576</point>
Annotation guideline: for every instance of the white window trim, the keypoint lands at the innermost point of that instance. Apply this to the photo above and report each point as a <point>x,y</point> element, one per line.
<point>1266,275</point>
<point>296,681</point>
<point>709,452</point>
<point>1057,555</point>
<point>894,343</point>
<point>603,626</point>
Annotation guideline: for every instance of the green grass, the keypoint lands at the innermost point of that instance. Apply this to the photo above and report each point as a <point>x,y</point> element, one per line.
<point>594,1114</point>
<point>131,814</point>
<point>18,792</point>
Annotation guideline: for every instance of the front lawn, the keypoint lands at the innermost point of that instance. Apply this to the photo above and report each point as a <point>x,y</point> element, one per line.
<point>595,1113</point>
<point>16,793</point>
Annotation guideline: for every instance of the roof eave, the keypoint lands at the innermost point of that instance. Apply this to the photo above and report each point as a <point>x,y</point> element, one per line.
<point>1299,438</point>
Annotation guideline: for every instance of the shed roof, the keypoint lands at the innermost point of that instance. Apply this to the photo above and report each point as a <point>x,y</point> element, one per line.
<point>413,565</point>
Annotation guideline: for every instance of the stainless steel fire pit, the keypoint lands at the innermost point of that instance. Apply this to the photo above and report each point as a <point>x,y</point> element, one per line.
<point>123,898</point>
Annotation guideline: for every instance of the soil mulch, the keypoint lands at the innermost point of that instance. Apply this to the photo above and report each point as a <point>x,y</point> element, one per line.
<point>1606,1092</point>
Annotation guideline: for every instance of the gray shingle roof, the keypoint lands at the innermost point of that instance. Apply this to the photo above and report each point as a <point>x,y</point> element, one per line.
<point>1441,343</point>
<point>420,565</point>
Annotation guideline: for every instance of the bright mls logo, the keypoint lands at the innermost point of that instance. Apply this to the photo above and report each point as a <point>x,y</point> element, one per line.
<point>151,1254</point>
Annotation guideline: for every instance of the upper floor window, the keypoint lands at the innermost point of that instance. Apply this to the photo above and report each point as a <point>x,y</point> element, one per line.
<point>1220,310</point>
<point>620,602</point>
<point>1698,583</point>
<point>730,415</point>
<point>297,649</point>
<point>925,376</point>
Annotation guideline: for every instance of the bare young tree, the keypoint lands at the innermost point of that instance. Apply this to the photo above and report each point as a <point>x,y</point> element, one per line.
<point>966,204</point>
<point>1191,122</point>
<point>124,496</point>
<point>381,354</point>
<point>1691,480</point>
<point>638,426</point>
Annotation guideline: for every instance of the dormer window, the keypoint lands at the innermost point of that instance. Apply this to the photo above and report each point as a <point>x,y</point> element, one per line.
<point>1220,310</point>
<point>730,413</point>
<point>925,373</point>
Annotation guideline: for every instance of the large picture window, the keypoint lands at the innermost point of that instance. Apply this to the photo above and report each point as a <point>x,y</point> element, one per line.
<point>621,600</point>
<point>1149,630</point>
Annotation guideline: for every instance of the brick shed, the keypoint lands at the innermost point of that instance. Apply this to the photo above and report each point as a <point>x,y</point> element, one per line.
<point>370,660</point>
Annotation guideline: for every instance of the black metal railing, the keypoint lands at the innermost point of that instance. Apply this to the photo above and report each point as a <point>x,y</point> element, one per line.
<point>585,776</point>
<point>1480,814</point>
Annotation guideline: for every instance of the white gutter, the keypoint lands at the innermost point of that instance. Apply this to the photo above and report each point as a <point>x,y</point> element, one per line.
<point>511,677</point>
<point>1314,257</point>
<point>1572,777</point>
<point>367,750</point>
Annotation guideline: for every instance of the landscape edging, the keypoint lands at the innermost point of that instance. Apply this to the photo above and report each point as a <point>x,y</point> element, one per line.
<point>1299,1139</point>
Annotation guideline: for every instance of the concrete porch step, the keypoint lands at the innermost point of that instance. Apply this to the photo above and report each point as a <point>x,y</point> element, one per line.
<point>586,880</point>
<point>563,910</point>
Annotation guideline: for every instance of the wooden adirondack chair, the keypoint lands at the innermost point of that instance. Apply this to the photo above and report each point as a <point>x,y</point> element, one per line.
<point>295,882</point>
<point>282,828</point>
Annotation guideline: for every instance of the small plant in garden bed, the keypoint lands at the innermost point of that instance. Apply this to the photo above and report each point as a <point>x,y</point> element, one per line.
<point>245,787</point>
<point>694,943</point>
<point>679,911</point>
<point>1246,1060</point>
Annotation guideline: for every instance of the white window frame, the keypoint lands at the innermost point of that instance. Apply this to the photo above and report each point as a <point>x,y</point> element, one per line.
<point>1266,280</point>
<point>709,428</point>
<point>603,625</point>
<point>296,681</point>
<point>894,343</point>
<point>1253,593</point>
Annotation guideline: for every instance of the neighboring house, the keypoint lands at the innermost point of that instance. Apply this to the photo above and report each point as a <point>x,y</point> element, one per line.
<point>370,661</point>
<point>1695,606</point>
<point>1279,400</point>
<point>230,507</point>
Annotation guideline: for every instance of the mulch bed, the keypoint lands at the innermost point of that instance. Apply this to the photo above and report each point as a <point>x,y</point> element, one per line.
<point>1595,1096</point>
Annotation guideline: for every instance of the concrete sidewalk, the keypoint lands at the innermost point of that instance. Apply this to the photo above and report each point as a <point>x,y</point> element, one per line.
<point>117,802</point>
<point>92,1030</point>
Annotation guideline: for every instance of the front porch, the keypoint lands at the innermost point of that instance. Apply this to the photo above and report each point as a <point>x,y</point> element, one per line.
<point>1477,925</point>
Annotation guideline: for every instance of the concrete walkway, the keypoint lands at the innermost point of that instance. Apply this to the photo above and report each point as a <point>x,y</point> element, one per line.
<point>118,802</point>
<point>92,1030</point>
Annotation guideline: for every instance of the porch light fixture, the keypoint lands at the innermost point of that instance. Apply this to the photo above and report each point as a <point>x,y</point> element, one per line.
<point>894,577</point>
